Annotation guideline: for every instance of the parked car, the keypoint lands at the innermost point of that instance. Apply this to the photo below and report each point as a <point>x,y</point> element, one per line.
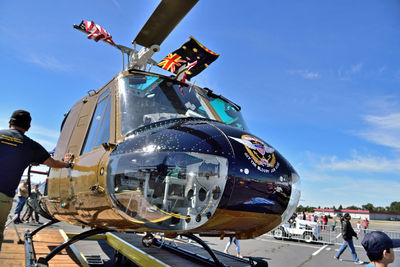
<point>297,229</point>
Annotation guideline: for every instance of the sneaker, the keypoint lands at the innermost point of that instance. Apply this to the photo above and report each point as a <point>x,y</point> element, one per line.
<point>336,258</point>
<point>359,262</point>
<point>16,221</point>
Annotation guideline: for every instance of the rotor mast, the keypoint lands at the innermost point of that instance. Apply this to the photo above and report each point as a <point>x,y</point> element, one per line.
<point>164,19</point>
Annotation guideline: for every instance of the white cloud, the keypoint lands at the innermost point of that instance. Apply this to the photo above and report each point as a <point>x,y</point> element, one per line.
<point>383,130</point>
<point>47,144</point>
<point>306,74</point>
<point>356,68</point>
<point>44,136</point>
<point>345,74</point>
<point>364,163</point>
<point>382,69</point>
<point>322,188</point>
<point>47,62</point>
<point>38,130</point>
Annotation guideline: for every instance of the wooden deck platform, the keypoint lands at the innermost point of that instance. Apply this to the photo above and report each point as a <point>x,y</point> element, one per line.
<point>13,254</point>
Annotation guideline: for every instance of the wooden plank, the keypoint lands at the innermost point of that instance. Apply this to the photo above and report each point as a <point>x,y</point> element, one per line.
<point>13,254</point>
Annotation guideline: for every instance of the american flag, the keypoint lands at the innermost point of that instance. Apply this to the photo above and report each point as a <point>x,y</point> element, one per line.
<point>96,32</point>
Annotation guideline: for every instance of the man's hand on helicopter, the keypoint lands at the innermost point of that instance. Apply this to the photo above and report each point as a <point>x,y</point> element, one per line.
<point>66,163</point>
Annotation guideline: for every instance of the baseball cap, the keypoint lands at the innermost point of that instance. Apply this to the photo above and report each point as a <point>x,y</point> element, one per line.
<point>21,118</point>
<point>377,241</point>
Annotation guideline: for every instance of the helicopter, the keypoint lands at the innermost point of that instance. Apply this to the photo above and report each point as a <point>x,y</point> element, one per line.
<point>155,153</point>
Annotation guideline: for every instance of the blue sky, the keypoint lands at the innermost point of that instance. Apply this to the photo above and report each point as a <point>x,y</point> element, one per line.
<point>317,80</point>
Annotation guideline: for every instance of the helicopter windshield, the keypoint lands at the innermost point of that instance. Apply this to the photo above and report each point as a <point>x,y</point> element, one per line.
<point>147,99</point>
<point>227,112</point>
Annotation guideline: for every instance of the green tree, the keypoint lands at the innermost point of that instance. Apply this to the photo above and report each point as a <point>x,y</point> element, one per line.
<point>300,208</point>
<point>340,207</point>
<point>368,206</point>
<point>379,209</point>
<point>394,206</point>
<point>352,208</point>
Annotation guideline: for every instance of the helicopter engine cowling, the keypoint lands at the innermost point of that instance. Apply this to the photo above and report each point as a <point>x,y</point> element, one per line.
<point>176,175</point>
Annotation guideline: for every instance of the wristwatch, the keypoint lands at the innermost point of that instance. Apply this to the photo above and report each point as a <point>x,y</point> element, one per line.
<point>70,165</point>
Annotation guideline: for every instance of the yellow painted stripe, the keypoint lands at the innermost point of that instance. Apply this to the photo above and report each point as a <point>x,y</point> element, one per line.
<point>134,254</point>
<point>12,139</point>
<point>77,254</point>
<point>160,219</point>
<point>101,236</point>
<point>11,144</point>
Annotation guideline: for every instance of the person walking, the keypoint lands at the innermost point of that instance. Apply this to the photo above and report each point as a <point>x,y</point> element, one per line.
<point>236,241</point>
<point>365,224</point>
<point>334,225</point>
<point>17,151</point>
<point>33,205</point>
<point>358,227</point>
<point>347,234</point>
<point>22,194</point>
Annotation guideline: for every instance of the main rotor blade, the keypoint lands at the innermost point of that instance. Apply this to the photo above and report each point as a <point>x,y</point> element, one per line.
<point>163,20</point>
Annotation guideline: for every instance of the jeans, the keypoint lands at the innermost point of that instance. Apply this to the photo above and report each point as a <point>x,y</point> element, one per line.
<point>233,240</point>
<point>352,249</point>
<point>20,206</point>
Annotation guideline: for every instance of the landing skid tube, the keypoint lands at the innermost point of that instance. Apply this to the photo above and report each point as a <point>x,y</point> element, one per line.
<point>30,255</point>
<point>191,255</point>
<point>42,227</point>
<point>252,261</point>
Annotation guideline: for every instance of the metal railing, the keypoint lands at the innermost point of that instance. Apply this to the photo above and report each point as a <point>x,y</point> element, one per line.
<point>323,235</point>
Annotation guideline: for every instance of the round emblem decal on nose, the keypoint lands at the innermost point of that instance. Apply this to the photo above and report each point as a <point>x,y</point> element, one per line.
<point>259,153</point>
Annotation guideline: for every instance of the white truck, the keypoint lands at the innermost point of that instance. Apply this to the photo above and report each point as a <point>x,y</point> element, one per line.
<point>298,229</point>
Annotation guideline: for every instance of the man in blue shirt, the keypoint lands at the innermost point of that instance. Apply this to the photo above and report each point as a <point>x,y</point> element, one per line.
<point>379,248</point>
<point>17,151</point>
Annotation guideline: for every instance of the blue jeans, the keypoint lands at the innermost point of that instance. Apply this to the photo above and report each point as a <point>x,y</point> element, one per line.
<point>20,206</point>
<point>233,240</point>
<point>352,249</point>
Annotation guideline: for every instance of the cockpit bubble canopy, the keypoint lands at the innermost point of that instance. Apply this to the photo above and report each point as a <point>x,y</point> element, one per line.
<point>146,99</point>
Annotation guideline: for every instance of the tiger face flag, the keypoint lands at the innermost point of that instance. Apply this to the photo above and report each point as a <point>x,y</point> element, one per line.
<point>191,58</point>
<point>96,32</point>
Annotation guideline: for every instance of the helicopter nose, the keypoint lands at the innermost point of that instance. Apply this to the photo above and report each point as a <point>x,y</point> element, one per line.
<point>265,182</point>
<point>170,175</point>
<point>173,175</point>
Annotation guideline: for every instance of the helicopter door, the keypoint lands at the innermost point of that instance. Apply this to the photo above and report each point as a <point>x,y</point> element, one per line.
<point>84,174</point>
<point>88,163</point>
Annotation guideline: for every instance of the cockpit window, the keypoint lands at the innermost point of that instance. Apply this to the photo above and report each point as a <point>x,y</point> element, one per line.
<point>227,112</point>
<point>148,99</point>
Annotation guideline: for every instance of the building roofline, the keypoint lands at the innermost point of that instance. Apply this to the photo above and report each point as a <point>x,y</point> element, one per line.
<point>359,211</point>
